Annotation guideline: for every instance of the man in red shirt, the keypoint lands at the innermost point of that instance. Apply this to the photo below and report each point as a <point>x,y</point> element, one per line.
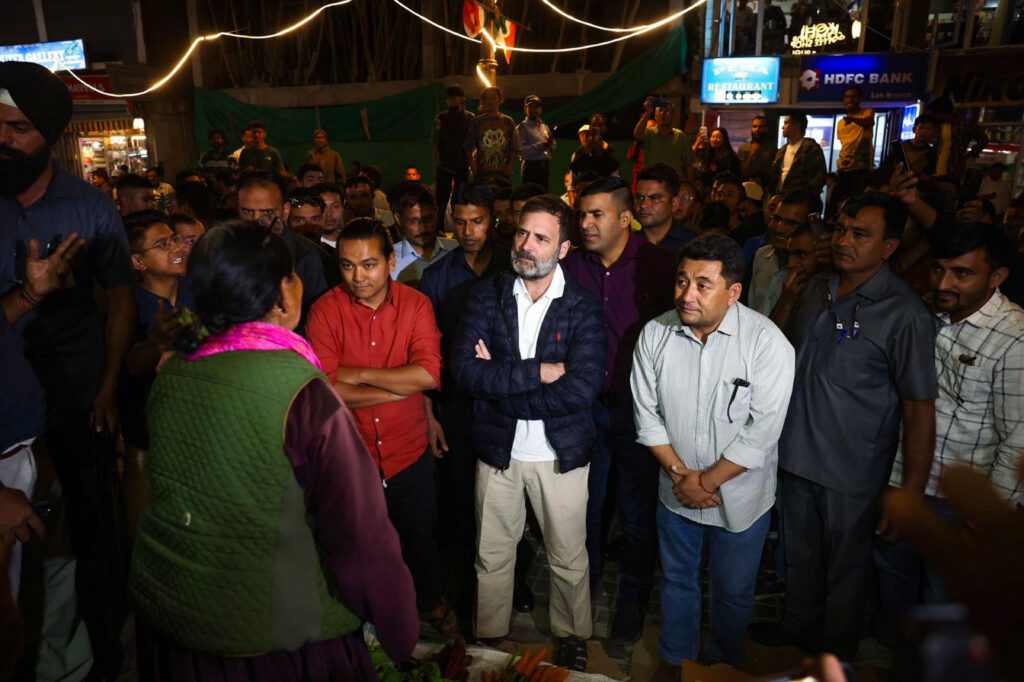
<point>381,349</point>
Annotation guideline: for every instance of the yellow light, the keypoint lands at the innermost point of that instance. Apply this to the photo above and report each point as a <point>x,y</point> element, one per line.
<point>636,31</point>
<point>570,17</point>
<point>855,29</point>
<point>138,124</point>
<point>483,76</point>
<point>201,39</point>
<point>629,33</point>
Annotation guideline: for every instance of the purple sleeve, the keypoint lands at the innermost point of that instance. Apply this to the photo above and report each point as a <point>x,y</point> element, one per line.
<point>345,498</point>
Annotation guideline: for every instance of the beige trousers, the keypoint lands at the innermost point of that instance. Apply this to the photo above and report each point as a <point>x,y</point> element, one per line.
<point>560,503</point>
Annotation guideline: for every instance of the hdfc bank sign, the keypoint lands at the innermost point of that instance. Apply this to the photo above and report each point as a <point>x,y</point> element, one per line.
<point>883,77</point>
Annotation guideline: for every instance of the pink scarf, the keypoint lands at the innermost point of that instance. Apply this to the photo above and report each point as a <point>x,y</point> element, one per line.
<point>257,336</point>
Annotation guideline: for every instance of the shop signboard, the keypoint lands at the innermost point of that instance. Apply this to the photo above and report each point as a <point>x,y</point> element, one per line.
<point>80,93</point>
<point>64,54</point>
<point>910,114</point>
<point>989,80</point>
<point>882,77</point>
<point>740,80</point>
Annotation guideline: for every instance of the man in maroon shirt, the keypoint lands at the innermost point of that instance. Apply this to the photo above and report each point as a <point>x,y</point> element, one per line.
<point>381,349</point>
<point>633,279</point>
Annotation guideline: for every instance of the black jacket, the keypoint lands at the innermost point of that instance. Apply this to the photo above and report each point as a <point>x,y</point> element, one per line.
<point>507,388</point>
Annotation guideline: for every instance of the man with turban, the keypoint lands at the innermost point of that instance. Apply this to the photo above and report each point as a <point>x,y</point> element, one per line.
<point>75,353</point>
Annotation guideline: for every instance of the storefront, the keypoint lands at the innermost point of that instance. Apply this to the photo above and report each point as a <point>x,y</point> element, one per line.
<point>987,86</point>
<point>103,133</point>
<point>893,86</point>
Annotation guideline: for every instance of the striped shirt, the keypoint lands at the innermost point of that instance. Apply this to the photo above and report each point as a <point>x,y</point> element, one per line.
<point>979,414</point>
<point>723,398</point>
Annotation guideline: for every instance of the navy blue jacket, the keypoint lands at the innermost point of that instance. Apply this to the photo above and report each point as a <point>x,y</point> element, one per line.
<point>507,388</point>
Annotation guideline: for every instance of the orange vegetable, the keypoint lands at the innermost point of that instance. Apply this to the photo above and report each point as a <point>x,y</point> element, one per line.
<point>531,666</point>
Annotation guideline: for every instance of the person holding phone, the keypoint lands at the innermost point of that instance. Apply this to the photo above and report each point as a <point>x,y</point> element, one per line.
<point>664,143</point>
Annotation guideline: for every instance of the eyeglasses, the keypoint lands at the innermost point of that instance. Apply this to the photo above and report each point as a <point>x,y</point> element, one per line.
<point>165,244</point>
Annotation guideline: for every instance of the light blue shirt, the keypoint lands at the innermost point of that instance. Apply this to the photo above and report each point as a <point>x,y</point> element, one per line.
<point>409,265</point>
<point>531,141</point>
<point>685,395</point>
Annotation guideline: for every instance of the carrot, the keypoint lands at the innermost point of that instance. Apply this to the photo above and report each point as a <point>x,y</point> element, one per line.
<point>531,667</point>
<point>521,663</point>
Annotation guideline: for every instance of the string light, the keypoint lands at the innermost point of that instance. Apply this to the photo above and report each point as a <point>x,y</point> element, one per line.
<point>629,33</point>
<point>555,50</point>
<point>570,17</point>
<point>201,39</point>
<point>483,76</point>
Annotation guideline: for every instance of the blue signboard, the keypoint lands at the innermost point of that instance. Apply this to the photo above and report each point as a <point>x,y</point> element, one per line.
<point>910,114</point>
<point>882,77</point>
<point>740,80</point>
<point>64,54</point>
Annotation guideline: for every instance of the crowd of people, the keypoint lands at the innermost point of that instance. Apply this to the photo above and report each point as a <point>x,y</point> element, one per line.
<point>317,404</point>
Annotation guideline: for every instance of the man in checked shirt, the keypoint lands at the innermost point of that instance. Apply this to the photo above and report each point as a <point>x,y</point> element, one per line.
<point>979,414</point>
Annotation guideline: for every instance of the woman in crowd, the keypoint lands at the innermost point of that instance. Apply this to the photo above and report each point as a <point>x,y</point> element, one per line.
<point>267,542</point>
<point>715,154</point>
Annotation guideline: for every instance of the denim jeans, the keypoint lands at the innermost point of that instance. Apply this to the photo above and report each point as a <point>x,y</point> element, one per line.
<point>904,581</point>
<point>734,560</point>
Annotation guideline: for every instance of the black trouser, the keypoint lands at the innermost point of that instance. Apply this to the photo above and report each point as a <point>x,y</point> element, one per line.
<point>828,539</point>
<point>456,506</point>
<point>537,171</point>
<point>445,181</point>
<point>86,468</point>
<point>412,508</point>
<point>635,473</point>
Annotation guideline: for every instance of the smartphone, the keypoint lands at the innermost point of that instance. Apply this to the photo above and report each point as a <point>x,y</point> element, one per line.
<point>43,509</point>
<point>659,103</point>
<point>900,154</point>
<point>52,245</point>
<point>704,132</point>
<point>944,647</point>
<point>817,225</point>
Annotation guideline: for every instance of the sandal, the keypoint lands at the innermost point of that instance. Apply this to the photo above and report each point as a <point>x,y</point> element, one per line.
<point>572,654</point>
<point>441,623</point>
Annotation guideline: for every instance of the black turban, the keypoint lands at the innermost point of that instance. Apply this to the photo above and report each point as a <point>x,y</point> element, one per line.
<point>37,93</point>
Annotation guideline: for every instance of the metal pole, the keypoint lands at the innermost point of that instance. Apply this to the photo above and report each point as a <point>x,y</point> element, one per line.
<point>140,40</point>
<point>863,25</point>
<point>37,5</point>
<point>732,27</point>
<point>760,27</point>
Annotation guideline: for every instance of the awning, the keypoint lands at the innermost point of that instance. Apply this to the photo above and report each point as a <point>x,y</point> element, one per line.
<point>103,127</point>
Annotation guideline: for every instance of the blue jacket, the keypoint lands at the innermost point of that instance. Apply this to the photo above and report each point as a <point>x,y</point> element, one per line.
<point>507,388</point>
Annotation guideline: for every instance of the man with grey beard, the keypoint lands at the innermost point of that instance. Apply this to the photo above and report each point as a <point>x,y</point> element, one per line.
<point>533,426</point>
<point>76,355</point>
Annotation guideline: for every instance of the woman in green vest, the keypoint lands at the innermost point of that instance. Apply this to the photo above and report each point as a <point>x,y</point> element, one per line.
<point>267,543</point>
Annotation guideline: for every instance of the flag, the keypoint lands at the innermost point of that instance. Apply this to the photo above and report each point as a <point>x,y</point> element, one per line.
<point>475,18</point>
<point>505,36</point>
<point>472,18</point>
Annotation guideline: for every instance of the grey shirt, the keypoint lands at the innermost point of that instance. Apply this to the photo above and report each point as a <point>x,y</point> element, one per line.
<point>844,419</point>
<point>689,395</point>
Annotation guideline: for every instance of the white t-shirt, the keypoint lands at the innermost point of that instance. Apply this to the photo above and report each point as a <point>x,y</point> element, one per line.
<point>787,160</point>
<point>531,441</point>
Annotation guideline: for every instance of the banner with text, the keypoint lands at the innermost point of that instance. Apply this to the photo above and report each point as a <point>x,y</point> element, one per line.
<point>882,77</point>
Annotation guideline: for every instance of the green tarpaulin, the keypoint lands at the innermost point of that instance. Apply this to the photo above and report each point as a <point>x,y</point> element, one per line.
<point>399,126</point>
